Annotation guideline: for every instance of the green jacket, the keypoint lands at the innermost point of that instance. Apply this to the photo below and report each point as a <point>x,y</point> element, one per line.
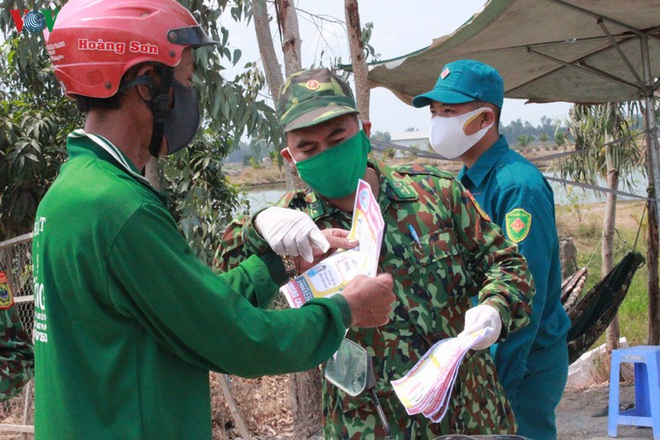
<point>461,255</point>
<point>130,321</point>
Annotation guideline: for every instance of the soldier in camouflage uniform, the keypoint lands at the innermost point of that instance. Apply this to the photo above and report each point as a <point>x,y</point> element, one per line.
<point>16,350</point>
<point>438,245</point>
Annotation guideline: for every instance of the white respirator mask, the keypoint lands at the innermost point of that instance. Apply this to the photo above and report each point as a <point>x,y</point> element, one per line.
<point>447,135</point>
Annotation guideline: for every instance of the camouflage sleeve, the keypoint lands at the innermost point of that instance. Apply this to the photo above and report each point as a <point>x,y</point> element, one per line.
<point>494,262</point>
<point>239,241</point>
<point>16,350</point>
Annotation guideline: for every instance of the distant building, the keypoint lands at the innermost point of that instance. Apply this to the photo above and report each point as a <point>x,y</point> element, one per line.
<point>414,139</point>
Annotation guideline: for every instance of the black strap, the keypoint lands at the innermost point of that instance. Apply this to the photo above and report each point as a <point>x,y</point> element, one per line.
<point>160,107</point>
<point>159,103</point>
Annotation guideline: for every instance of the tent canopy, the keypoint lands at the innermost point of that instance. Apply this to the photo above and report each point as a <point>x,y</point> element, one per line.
<point>584,51</point>
<point>587,51</point>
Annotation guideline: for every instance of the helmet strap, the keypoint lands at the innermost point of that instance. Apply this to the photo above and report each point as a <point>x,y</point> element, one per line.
<point>160,107</point>
<point>159,103</point>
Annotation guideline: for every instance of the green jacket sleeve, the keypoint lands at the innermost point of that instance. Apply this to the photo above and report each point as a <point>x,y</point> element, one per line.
<point>211,320</point>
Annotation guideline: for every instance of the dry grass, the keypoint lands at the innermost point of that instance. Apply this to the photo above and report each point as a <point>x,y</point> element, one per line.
<point>263,403</point>
<point>249,177</point>
<point>585,227</point>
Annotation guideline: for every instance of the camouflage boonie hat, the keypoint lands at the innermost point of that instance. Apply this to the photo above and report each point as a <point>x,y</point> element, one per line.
<point>312,96</point>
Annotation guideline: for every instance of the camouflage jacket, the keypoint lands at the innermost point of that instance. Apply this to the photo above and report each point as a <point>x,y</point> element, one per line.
<point>462,254</point>
<point>16,350</point>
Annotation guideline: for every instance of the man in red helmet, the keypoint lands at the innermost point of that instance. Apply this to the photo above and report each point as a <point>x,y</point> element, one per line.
<point>127,320</point>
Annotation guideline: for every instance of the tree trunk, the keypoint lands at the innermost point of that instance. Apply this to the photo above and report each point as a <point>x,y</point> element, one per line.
<point>152,174</point>
<point>358,58</point>
<point>567,257</point>
<point>305,387</point>
<point>288,22</point>
<point>652,169</point>
<point>609,219</point>
<point>305,395</point>
<point>272,68</point>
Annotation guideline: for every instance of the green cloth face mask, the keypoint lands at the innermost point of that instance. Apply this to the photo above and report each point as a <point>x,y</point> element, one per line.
<point>335,172</point>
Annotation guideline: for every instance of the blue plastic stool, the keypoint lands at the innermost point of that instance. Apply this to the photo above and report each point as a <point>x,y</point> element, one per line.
<point>647,389</point>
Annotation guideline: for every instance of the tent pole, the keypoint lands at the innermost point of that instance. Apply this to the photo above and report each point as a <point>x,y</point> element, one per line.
<point>653,167</point>
<point>650,122</point>
<point>652,147</point>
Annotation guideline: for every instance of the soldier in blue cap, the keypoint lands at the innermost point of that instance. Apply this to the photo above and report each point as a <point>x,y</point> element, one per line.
<point>532,363</point>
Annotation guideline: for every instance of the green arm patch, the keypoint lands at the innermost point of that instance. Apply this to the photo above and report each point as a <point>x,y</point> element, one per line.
<point>518,224</point>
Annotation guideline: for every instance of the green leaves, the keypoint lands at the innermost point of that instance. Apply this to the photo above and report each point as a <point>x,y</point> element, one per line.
<point>524,140</point>
<point>35,119</point>
<point>201,199</point>
<point>30,155</point>
<point>600,130</point>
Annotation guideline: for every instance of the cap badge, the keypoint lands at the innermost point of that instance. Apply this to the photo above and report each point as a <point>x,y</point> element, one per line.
<point>312,84</point>
<point>444,73</point>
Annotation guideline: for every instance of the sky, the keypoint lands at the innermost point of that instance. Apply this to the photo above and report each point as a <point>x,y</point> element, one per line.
<point>399,28</point>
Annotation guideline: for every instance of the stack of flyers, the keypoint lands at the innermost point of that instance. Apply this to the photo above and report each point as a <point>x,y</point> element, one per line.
<point>428,385</point>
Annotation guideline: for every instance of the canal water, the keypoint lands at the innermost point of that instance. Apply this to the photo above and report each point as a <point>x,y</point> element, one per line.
<point>564,194</point>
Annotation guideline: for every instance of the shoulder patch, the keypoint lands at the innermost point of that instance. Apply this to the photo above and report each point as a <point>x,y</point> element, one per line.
<point>478,207</point>
<point>518,224</point>
<point>6,298</point>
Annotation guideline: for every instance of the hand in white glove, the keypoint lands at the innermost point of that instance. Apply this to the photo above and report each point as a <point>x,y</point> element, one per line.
<point>480,317</point>
<point>290,232</point>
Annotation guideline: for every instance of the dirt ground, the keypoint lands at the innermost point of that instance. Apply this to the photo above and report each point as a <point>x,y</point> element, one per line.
<point>264,406</point>
<point>582,413</point>
<point>575,414</point>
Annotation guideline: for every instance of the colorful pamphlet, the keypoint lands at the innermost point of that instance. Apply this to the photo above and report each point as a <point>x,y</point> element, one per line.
<point>331,275</point>
<point>427,387</point>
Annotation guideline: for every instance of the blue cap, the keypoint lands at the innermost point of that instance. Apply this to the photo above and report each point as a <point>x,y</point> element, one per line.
<point>465,81</point>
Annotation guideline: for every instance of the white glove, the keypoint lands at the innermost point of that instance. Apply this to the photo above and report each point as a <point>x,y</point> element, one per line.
<point>290,232</point>
<point>481,317</point>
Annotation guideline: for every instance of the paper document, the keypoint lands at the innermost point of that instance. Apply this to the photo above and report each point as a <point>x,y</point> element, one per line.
<point>331,275</point>
<point>428,385</point>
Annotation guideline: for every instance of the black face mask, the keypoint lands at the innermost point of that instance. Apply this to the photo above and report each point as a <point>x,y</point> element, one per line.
<point>182,120</point>
<point>177,124</point>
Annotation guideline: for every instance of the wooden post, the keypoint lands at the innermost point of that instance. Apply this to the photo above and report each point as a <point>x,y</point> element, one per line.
<point>233,407</point>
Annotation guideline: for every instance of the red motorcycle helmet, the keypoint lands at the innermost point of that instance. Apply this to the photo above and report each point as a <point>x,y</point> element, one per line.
<point>94,42</point>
